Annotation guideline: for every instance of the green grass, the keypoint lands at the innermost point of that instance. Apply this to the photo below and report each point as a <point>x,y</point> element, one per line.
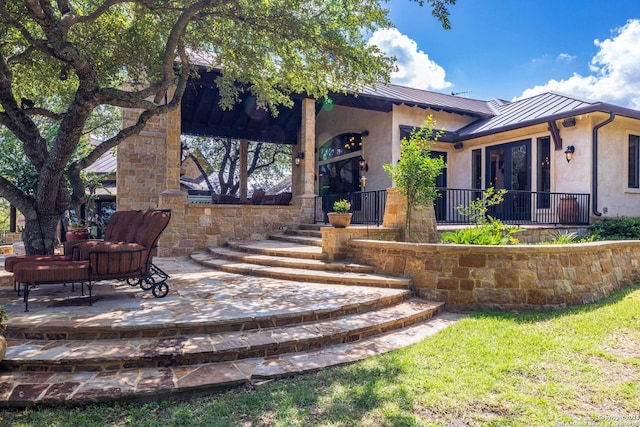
<point>579,366</point>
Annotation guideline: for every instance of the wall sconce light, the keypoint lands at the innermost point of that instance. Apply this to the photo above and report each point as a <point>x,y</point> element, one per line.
<point>185,151</point>
<point>363,164</point>
<point>363,182</point>
<point>569,152</point>
<point>567,123</point>
<point>299,159</point>
<point>458,145</point>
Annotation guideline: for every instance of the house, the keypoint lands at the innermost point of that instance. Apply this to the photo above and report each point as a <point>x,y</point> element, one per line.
<point>550,151</point>
<point>538,146</point>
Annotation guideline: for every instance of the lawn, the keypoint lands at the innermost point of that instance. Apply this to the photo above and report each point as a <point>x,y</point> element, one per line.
<point>578,367</point>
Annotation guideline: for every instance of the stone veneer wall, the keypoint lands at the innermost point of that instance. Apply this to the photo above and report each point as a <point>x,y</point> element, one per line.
<point>196,226</point>
<point>516,277</point>
<point>335,241</point>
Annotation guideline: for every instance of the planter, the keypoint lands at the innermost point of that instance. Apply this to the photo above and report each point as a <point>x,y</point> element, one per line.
<point>77,234</point>
<point>568,210</point>
<point>339,220</point>
<point>3,347</point>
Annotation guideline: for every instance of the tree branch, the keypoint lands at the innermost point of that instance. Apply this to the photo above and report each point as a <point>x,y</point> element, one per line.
<point>15,196</point>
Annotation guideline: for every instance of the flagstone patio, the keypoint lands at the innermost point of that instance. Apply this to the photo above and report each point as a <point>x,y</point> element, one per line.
<point>214,330</point>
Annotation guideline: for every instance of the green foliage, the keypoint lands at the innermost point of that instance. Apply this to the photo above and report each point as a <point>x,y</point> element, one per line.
<point>342,206</point>
<point>477,209</point>
<point>621,228</point>
<point>267,163</point>
<point>5,218</point>
<point>491,232</point>
<point>487,230</point>
<point>568,238</point>
<point>416,171</point>
<point>63,61</point>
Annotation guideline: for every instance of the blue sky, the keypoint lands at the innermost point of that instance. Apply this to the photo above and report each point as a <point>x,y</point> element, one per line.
<point>513,48</point>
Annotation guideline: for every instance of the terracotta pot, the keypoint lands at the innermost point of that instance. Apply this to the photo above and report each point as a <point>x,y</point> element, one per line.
<point>3,347</point>
<point>339,219</point>
<point>568,210</point>
<point>77,234</point>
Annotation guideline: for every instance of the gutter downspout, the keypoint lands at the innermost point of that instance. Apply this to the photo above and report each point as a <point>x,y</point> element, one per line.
<point>594,178</point>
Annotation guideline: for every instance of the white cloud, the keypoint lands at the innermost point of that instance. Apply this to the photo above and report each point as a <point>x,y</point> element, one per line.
<point>415,69</point>
<point>565,57</point>
<point>615,71</point>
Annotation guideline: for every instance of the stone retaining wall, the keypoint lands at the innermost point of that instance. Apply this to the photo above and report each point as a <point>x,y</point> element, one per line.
<point>516,277</point>
<point>193,227</point>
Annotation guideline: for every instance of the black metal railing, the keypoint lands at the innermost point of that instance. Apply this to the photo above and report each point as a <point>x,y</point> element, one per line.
<point>518,207</point>
<point>367,206</point>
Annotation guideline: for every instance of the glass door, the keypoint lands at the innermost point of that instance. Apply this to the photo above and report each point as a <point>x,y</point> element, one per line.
<point>440,204</point>
<point>509,167</point>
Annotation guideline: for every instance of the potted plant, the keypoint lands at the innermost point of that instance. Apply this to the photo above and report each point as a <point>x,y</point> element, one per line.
<point>568,209</point>
<point>3,326</point>
<point>77,231</point>
<point>341,215</point>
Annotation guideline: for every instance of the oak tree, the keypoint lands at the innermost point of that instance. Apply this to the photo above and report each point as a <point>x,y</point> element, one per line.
<point>62,61</point>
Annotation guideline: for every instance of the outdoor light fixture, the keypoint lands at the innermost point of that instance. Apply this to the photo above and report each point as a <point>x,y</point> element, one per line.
<point>299,158</point>
<point>569,152</point>
<point>567,123</point>
<point>458,145</point>
<point>363,182</point>
<point>363,164</point>
<point>185,150</point>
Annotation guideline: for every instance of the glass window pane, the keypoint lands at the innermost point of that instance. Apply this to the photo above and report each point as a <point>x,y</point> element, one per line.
<point>544,173</point>
<point>476,169</point>
<point>634,158</point>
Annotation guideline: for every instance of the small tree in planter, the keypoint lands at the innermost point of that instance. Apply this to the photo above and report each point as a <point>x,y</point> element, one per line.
<point>416,172</point>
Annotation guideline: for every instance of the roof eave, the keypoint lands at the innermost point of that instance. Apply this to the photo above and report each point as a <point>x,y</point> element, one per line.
<point>598,107</point>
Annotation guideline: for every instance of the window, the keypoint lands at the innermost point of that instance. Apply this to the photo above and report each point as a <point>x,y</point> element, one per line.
<point>544,172</point>
<point>476,169</point>
<point>634,159</point>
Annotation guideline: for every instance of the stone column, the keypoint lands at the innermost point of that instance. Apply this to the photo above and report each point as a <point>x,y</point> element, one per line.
<point>306,171</point>
<point>148,172</point>
<point>423,218</point>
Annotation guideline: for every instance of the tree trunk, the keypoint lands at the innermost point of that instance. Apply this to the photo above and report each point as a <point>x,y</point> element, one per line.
<point>39,235</point>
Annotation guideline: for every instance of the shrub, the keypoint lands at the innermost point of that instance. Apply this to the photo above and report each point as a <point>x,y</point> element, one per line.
<point>568,238</point>
<point>620,228</point>
<point>487,230</point>
<point>491,232</point>
<point>342,206</point>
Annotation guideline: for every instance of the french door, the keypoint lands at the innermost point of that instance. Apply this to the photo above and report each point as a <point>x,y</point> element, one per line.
<point>509,167</point>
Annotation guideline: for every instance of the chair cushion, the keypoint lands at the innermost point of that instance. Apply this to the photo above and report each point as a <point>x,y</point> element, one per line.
<point>109,259</point>
<point>10,262</point>
<point>154,222</point>
<point>51,272</point>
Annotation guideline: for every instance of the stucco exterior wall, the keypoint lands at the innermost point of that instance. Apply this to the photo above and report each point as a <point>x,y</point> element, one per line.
<point>615,198</point>
<point>377,146</point>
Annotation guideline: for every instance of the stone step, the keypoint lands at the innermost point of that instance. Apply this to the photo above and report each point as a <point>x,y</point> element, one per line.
<point>289,262</point>
<point>299,239</point>
<point>23,389</point>
<point>313,227</point>
<point>278,248</point>
<point>190,349</point>
<point>296,274</point>
<point>212,315</point>
<point>316,234</point>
